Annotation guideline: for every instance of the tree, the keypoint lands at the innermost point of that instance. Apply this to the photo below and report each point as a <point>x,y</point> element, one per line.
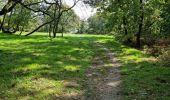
<point>52,10</point>
<point>135,20</point>
<point>83,27</point>
<point>16,20</point>
<point>8,7</point>
<point>68,22</point>
<point>165,26</point>
<point>99,25</point>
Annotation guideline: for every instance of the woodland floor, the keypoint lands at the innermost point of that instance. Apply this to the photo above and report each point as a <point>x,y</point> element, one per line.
<point>78,67</point>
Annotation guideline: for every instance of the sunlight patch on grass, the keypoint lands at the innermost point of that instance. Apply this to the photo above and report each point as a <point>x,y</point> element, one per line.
<point>35,67</point>
<point>26,59</point>
<point>142,76</point>
<point>72,68</point>
<point>32,67</point>
<point>38,87</point>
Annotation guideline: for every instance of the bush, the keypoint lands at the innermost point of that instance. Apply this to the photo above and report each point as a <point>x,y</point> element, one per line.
<point>165,58</point>
<point>153,50</point>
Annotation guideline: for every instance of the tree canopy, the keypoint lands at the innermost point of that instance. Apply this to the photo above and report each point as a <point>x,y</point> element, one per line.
<point>130,19</point>
<point>16,13</point>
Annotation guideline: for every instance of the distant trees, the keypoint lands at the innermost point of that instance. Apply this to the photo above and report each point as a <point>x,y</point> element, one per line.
<point>98,25</point>
<point>83,27</point>
<point>18,13</point>
<point>65,23</point>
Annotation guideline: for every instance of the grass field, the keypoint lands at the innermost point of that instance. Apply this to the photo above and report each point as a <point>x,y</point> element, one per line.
<point>143,78</point>
<point>36,67</point>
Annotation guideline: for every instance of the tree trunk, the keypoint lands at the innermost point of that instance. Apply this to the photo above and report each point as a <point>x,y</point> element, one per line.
<point>125,25</point>
<point>138,35</point>
<point>38,28</point>
<point>62,34</point>
<point>56,25</point>
<point>21,30</point>
<point>9,20</point>
<point>9,6</point>
<point>2,22</point>
<point>50,28</point>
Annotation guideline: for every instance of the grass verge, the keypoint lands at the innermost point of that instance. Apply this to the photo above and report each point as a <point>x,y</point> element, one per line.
<point>143,78</point>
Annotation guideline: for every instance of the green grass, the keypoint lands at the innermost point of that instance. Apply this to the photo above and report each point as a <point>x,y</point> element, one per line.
<point>142,77</point>
<point>35,67</point>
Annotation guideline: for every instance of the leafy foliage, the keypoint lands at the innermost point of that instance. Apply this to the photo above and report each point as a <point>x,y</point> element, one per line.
<point>40,13</point>
<point>135,20</point>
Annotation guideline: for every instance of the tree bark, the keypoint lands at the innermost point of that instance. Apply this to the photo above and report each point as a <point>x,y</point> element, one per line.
<point>9,20</point>
<point>21,30</point>
<point>2,22</point>
<point>138,35</point>
<point>38,28</point>
<point>8,7</point>
<point>125,25</point>
<point>50,28</point>
<point>62,34</point>
<point>56,25</point>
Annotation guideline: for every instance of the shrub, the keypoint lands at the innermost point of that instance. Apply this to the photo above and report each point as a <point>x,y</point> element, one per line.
<point>165,58</point>
<point>153,50</point>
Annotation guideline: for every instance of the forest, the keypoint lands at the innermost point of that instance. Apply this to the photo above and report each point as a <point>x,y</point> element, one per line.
<point>120,52</point>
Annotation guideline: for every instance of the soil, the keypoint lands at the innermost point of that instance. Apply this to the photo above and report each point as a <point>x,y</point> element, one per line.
<point>106,85</point>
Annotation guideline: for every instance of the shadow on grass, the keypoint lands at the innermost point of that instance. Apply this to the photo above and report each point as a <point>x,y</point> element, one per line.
<point>142,77</point>
<point>35,67</point>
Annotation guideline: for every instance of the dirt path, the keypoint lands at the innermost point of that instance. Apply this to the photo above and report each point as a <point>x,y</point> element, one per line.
<point>103,78</point>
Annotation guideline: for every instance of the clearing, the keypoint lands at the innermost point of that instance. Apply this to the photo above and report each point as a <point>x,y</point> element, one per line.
<point>37,68</point>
